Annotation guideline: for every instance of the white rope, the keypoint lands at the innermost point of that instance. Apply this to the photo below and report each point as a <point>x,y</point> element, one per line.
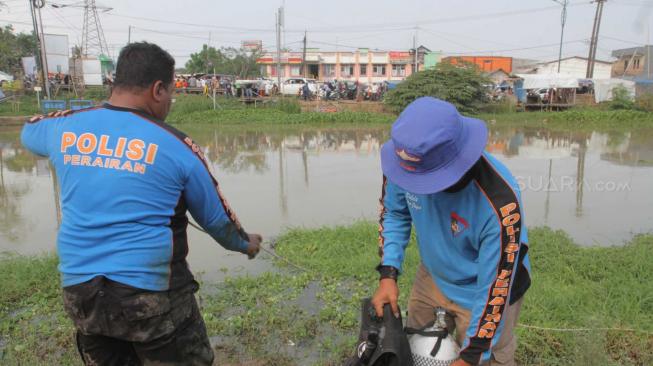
<point>584,329</point>
<point>269,251</point>
<point>576,330</point>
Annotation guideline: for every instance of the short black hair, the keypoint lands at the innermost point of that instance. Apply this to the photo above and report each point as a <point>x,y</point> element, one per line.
<point>141,64</point>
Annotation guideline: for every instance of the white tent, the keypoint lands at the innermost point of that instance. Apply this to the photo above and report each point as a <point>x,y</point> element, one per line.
<point>541,81</point>
<point>603,88</point>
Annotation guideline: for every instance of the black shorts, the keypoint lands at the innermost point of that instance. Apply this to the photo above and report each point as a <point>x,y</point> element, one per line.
<point>123,325</point>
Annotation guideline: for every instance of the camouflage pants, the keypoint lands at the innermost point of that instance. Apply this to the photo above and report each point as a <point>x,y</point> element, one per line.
<point>122,325</point>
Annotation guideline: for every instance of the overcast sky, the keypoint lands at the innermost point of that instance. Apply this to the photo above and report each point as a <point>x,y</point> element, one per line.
<point>517,28</point>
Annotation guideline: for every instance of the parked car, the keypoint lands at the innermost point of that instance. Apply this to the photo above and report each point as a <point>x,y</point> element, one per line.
<point>5,78</point>
<point>539,95</point>
<point>292,86</point>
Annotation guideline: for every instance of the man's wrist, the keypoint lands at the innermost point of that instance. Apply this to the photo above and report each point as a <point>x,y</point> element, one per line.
<point>386,271</point>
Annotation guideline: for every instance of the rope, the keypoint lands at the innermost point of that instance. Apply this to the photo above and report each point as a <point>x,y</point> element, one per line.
<point>266,250</point>
<point>527,326</point>
<point>585,329</point>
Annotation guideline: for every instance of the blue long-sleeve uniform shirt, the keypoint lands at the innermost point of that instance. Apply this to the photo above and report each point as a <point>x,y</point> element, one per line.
<point>473,242</point>
<point>127,181</point>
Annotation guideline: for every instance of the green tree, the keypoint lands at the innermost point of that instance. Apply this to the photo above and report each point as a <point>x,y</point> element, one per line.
<point>621,98</point>
<point>226,60</point>
<point>462,85</point>
<point>14,46</point>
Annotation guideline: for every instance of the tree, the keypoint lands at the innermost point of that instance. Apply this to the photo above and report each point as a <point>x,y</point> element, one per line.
<point>13,47</point>
<point>621,98</point>
<point>462,85</point>
<point>226,60</point>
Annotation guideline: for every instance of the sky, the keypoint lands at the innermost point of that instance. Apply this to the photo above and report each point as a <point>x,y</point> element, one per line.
<point>518,28</point>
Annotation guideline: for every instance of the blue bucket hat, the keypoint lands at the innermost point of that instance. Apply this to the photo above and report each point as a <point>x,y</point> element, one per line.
<point>432,146</point>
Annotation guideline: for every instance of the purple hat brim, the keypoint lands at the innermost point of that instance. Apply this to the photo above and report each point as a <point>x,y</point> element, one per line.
<point>473,139</point>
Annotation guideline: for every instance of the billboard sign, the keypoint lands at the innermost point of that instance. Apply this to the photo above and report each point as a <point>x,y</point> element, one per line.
<point>29,65</point>
<point>56,52</point>
<point>252,45</point>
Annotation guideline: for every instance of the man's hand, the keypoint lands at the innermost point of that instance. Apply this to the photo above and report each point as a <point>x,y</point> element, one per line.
<point>460,362</point>
<point>387,293</point>
<point>254,245</point>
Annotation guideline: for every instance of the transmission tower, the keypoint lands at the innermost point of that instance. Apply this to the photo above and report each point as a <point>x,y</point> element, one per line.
<point>93,41</point>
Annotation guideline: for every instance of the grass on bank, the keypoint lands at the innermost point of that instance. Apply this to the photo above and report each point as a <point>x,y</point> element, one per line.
<point>575,119</point>
<point>27,104</point>
<point>193,109</point>
<point>290,317</point>
<point>197,109</point>
<point>285,111</point>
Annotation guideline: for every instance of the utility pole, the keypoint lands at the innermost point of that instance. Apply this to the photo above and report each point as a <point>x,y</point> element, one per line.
<point>415,50</point>
<point>648,51</point>
<point>208,46</point>
<point>282,22</point>
<point>38,42</point>
<point>563,20</point>
<point>278,21</point>
<point>129,37</point>
<point>304,57</point>
<point>35,7</point>
<point>595,38</point>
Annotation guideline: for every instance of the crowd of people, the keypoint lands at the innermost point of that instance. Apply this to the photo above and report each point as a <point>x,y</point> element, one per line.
<point>352,90</point>
<point>206,84</point>
<point>233,87</point>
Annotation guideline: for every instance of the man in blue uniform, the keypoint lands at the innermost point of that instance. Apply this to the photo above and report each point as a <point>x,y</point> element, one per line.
<point>467,213</point>
<point>127,181</point>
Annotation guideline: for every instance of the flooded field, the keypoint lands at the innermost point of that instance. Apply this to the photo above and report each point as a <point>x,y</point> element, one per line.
<point>598,187</point>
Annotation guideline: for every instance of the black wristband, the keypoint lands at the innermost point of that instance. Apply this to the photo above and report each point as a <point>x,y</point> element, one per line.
<point>387,272</point>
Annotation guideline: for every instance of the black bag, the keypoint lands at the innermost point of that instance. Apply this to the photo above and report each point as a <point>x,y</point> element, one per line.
<point>381,342</point>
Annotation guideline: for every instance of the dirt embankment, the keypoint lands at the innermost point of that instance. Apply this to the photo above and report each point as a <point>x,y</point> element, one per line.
<point>343,106</point>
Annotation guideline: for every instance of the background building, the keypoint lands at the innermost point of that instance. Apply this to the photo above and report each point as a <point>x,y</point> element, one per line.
<point>633,63</point>
<point>362,65</point>
<point>575,67</point>
<point>484,63</point>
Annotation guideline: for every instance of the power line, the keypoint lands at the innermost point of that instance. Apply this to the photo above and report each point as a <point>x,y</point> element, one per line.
<point>522,48</point>
<point>209,26</point>
<point>74,29</point>
<point>468,37</point>
<point>621,40</point>
<point>631,3</point>
<point>373,27</point>
<point>174,34</point>
<point>447,20</point>
<point>446,38</point>
<point>343,45</point>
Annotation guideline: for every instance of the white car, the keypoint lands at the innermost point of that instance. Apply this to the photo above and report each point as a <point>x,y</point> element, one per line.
<point>4,77</point>
<point>292,86</point>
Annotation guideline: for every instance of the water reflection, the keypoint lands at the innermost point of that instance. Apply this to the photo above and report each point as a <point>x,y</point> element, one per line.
<point>13,158</point>
<point>575,181</point>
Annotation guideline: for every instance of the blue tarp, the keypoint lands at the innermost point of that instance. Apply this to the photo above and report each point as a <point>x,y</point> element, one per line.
<point>520,92</point>
<point>392,84</point>
<point>643,81</point>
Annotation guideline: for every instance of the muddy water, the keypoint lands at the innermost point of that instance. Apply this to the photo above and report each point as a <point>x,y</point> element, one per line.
<point>598,187</point>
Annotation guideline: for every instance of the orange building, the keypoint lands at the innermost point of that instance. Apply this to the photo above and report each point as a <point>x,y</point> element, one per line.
<point>485,63</point>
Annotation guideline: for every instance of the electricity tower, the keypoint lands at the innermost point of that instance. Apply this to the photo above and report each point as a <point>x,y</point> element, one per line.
<point>93,41</point>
